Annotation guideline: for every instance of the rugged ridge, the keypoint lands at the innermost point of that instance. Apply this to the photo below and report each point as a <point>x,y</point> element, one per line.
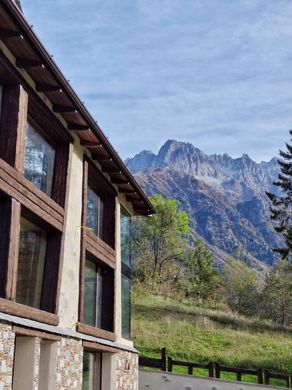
<point>224,196</point>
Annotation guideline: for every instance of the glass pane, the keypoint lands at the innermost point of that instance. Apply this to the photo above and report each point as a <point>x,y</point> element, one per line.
<point>126,307</point>
<point>31,264</point>
<point>94,212</point>
<point>88,371</point>
<point>126,238</point>
<point>38,160</point>
<point>92,295</point>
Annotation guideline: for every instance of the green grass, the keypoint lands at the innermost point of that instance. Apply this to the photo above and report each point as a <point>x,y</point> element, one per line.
<point>203,335</point>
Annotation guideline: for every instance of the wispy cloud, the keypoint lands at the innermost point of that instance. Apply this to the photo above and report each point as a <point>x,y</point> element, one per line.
<point>216,73</point>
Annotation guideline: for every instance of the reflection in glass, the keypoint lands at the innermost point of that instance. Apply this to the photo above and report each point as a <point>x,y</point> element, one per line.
<point>93,294</point>
<point>91,371</point>
<point>31,264</point>
<point>94,215</point>
<point>38,160</point>
<point>126,307</point>
<point>126,238</point>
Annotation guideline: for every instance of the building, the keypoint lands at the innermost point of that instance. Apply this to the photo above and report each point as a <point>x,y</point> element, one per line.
<point>66,199</point>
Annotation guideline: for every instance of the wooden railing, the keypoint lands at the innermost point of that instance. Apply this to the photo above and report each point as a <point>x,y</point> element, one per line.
<point>214,370</point>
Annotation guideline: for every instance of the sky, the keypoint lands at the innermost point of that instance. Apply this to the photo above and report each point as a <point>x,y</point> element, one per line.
<point>216,73</point>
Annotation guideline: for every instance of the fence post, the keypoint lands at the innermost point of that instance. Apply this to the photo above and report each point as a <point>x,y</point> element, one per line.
<point>217,370</point>
<point>238,376</point>
<point>211,370</point>
<point>169,363</point>
<point>267,377</point>
<point>163,359</point>
<point>190,369</point>
<point>260,376</point>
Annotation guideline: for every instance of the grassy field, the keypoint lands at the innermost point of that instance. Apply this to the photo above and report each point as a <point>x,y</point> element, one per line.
<point>204,335</point>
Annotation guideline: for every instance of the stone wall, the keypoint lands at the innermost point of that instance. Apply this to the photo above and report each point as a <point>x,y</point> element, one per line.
<point>6,356</point>
<point>69,364</point>
<point>127,371</point>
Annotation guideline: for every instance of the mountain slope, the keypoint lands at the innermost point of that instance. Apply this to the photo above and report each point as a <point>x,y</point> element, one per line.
<point>225,197</point>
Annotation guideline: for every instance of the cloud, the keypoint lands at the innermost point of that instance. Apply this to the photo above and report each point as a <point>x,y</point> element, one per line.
<point>213,72</point>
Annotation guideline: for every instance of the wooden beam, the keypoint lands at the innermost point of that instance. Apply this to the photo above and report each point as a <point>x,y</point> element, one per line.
<point>26,64</point>
<point>6,34</point>
<point>77,127</point>
<point>95,347</point>
<point>63,109</point>
<point>126,191</point>
<point>133,199</point>
<point>48,88</point>
<point>98,157</point>
<point>119,181</point>
<point>111,170</point>
<point>35,333</point>
<point>90,144</point>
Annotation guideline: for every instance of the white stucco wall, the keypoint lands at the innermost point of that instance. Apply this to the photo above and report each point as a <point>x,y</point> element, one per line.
<point>69,293</point>
<point>149,380</point>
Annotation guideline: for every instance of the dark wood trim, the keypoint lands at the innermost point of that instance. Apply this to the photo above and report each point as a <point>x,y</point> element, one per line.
<point>16,186</point>
<point>90,144</point>
<point>48,88</point>
<point>63,109</point>
<point>7,34</point>
<point>26,63</point>
<point>96,332</point>
<point>12,260</point>
<point>19,331</point>
<point>77,127</point>
<point>99,249</point>
<point>95,347</point>
<point>16,309</point>
<point>13,125</point>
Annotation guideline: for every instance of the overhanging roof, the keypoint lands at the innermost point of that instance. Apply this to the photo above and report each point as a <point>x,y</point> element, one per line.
<point>32,57</point>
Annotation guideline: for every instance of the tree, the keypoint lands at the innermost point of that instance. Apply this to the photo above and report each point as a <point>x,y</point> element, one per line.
<point>281,209</point>
<point>277,294</point>
<point>240,287</point>
<point>202,280</point>
<point>160,242</point>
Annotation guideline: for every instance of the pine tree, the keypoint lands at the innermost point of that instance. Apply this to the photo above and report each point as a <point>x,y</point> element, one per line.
<point>281,209</point>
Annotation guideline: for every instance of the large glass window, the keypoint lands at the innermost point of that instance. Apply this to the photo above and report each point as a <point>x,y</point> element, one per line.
<point>91,371</point>
<point>93,294</point>
<point>39,160</point>
<point>126,273</point>
<point>94,214</point>
<point>31,264</point>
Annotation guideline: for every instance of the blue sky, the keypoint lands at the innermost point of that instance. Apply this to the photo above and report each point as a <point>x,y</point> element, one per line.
<point>216,73</point>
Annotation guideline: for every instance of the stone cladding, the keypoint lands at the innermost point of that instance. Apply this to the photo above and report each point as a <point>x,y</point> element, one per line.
<point>6,356</point>
<point>69,364</point>
<point>127,371</point>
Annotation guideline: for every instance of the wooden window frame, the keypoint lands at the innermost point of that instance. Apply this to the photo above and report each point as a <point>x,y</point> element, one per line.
<point>101,252</point>
<point>95,353</point>
<point>19,102</point>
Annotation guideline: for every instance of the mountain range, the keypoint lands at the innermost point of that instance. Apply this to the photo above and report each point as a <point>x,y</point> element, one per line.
<point>224,197</point>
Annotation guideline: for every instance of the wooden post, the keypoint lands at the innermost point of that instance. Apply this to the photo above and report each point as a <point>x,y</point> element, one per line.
<point>163,359</point>
<point>260,376</point>
<point>190,369</point>
<point>217,370</point>
<point>169,363</point>
<point>238,376</point>
<point>13,125</point>
<point>267,377</point>
<point>211,370</point>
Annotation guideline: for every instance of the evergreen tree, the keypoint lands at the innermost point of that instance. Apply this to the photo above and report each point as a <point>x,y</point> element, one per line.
<point>281,209</point>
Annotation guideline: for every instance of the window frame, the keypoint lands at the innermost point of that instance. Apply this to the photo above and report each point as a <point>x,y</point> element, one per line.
<point>95,354</point>
<point>126,273</point>
<point>19,101</point>
<point>99,251</point>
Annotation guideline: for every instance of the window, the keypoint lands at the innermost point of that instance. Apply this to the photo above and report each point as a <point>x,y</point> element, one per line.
<point>98,295</point>
<point>99,204</point>
<point>39,159</point>
<point>92,365</point>
<point>94,215</point>
<point>126,272</point>
<point>31,264</point>
<point>93,294</point>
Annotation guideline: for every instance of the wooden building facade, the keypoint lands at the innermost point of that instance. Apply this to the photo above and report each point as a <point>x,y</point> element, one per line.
<point>66,201</point>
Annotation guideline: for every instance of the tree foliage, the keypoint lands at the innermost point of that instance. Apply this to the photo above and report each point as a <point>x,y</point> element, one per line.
<point>281,209</point>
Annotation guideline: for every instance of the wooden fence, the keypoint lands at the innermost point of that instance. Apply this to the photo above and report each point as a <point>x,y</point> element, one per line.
<point>214,370</point>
